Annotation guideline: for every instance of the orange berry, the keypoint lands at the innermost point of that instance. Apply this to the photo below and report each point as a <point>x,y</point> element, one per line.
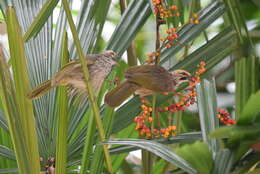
<point>162,131</point>
<point>162,39</point>
<point>196,21</point>
<point>166,134</point>
<point>173,29</point>
<point>174,7</point>
<point>173,127</point>
<point>170,38</point>
<point>181,103</point>
<point>168,45</point>
<point>175,35</point>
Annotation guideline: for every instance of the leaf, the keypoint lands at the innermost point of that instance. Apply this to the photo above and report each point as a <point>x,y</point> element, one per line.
<point>131,22</point>
<point>236,133</point>
<point>118,160</point>
<point>7,152</point>
<point>125,114</point>
<point>98,156</point>
<point>256,171</point>
<point>90,24</point>
<point>21,122</point>
<point>250,110</point>
<point>159,166</point>
<point>4,171</point>
<point>207,105</point>
<point>158,149</point>
<point>181,138</point>
<point>191,152</point>
<point>247,66</point>
<point>190,31</point>
<point>223,162</point>
<point>40,19</point>
<point>212,52</point>
<point>3,123</point>
<point>39,61</point>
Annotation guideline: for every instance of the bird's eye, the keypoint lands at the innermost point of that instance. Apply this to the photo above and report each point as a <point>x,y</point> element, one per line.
<point>183,78</point>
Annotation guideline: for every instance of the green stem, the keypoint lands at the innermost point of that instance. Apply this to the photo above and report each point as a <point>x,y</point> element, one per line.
<point>63,117</point>
<point>85,163</point>
<point>91,95</point>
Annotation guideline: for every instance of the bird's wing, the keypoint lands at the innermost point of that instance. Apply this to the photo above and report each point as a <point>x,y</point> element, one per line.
<point>151,77</point>
<point>91,58</point>
<point>70,65</point>
<point>71,68</point>
<point>144,68</point>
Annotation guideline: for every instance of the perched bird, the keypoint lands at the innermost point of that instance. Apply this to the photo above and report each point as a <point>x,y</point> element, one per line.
<point>146,80</point>
<point>71,75</point>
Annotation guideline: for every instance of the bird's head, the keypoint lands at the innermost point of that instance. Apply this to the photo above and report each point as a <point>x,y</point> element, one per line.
<point>180,77</point>
<point>111,55</point>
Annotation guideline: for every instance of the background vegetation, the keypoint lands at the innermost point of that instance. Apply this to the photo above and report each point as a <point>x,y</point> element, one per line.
<point>32,132</point>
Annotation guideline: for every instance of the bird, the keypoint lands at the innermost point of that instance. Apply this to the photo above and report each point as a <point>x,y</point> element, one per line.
<point>71,75</point>
<point>145,80</point>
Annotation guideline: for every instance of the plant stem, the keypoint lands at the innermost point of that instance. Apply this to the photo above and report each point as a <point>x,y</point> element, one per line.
<point>91,95</point>
<point>63,117</point>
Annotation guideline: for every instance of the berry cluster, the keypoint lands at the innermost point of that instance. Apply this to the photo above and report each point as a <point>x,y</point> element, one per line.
<point>144,121</point>
<point>188,98</point>
<point>201,70</point>
<point>164,12</point>
<point>185,99</point>
<point>170,38</point>
<point>151,56</point>
<point>225,118</point>
<point>167,42</point>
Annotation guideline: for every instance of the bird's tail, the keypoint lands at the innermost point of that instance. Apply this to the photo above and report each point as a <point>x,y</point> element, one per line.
<point>119,94</point>
<point>40,90</point>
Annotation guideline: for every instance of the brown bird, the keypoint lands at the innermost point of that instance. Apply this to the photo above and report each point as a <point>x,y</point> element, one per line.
<point>71,75</point>
<point>146,80</point>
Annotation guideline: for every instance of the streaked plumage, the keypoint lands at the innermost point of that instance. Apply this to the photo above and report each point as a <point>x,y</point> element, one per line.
<point>146,80</point>
<point>71,75</point>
